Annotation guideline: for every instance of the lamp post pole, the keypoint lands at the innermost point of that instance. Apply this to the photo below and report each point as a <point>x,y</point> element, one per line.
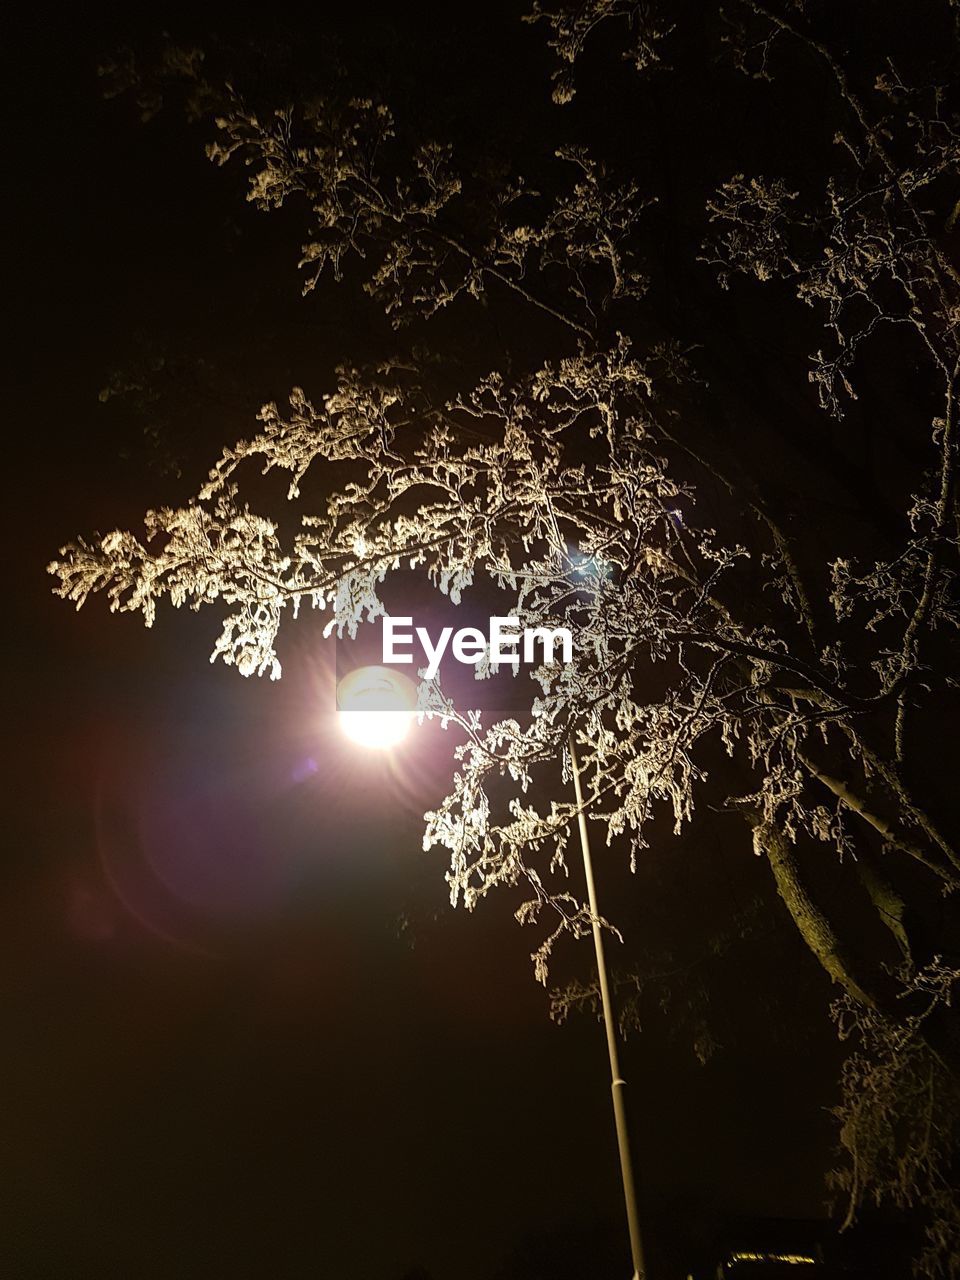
<point>617,1083</point>
<point>369,700</point>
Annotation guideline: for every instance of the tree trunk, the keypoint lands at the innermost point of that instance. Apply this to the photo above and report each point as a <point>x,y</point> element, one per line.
<point>866,983</point>
<point>815,929</point>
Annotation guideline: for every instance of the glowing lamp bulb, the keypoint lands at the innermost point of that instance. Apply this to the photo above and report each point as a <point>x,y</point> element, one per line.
<point>376,705</point>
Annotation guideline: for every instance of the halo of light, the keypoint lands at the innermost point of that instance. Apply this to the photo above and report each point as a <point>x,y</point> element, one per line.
<point>376,706</point>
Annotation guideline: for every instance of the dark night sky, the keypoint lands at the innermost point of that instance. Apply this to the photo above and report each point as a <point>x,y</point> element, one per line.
<point>244,1034</point>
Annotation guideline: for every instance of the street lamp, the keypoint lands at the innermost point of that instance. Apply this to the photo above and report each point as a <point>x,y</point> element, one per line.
<point>376,710</point>
<point>376,705</point>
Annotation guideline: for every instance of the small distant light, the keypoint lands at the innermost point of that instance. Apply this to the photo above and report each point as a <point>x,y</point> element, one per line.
<point>591,566</point>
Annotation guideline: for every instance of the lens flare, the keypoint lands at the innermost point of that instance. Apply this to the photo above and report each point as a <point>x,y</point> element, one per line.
<point>376,706</point>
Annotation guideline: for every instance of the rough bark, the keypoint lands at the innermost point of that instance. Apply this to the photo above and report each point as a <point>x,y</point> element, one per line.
<point>814,926</point>
<point>864,981</point>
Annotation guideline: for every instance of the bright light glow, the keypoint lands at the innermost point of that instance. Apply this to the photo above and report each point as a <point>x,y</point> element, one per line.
<point>376,706</point>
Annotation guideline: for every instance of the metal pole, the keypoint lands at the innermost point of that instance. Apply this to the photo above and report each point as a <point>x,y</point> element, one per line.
<point>617,1083</point>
